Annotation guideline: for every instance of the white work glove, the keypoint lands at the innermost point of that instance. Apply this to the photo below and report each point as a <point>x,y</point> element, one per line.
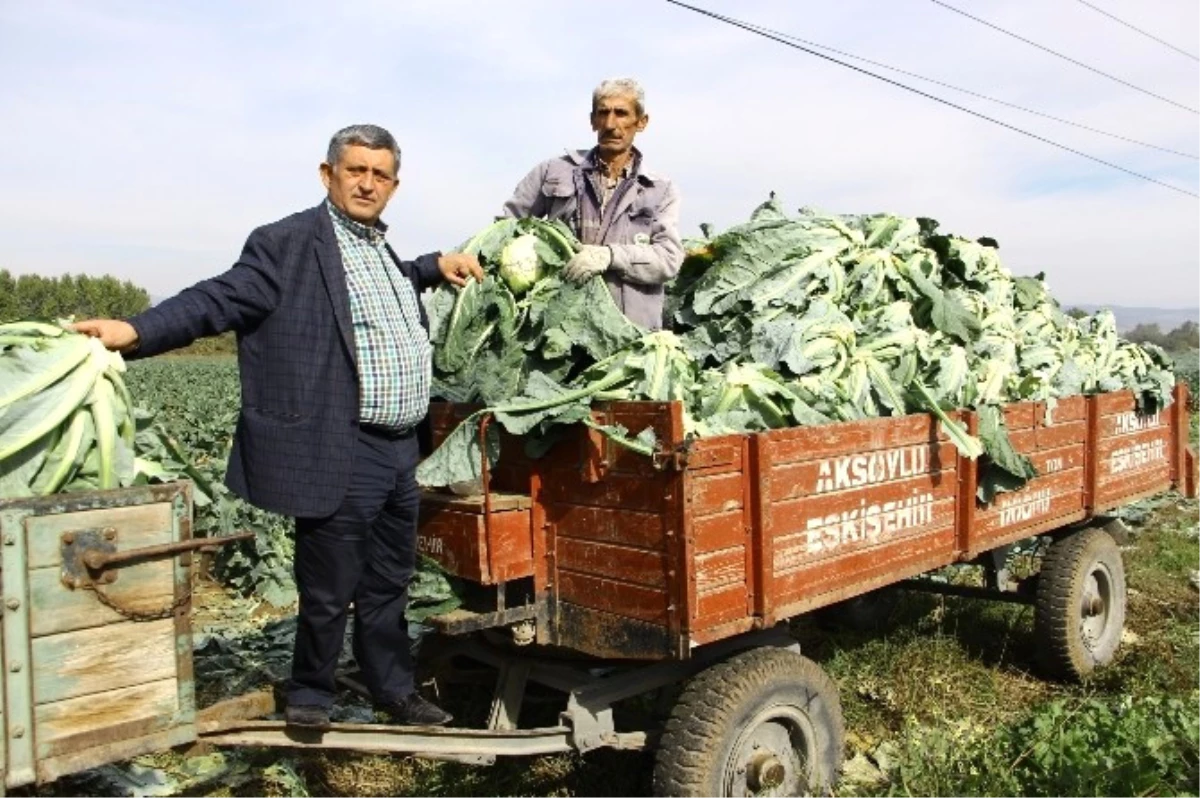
<point>588,262</point>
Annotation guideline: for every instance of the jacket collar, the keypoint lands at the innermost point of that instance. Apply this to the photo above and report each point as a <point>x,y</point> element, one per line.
<point>586,159</point>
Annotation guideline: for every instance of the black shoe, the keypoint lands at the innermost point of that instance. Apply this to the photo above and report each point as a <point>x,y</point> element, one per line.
<point>413,710</point>
<point>307,717</point>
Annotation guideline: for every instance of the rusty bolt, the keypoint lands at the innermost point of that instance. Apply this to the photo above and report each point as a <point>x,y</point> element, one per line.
<point>110,576</point>
<point>15,667</point>
<point>18,731</point>
<point>68,538</point>
<point>13,603</point>
<point>110,533</point>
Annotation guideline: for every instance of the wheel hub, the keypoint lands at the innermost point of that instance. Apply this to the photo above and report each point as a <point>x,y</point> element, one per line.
<point>765,772</point>
<point>771,755</point>
<point>1094,605</point>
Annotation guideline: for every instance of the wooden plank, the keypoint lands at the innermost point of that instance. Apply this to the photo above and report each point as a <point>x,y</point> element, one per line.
<point>246,706</point>
<point>137,526</point>
<point>1024,440</point>
<point>715,532</point>
<point>1126,488</point>
<point>1113,402</point>
<point>106,658</point>
<point>719,569</point>
<point>1071,408</point>
<point>967,475</point>
<point>718,493</point>
<point>855,470</point>
<point>608,636</point>
<point>636,416</point>
<point>679,527</point>
<point>982,543</point>
<point>56,608</point>
<point>829,542</point>
<point>803,600</point>
<point>724,453</point>
<point>1090,465</point>
<point>71,725</point>
<point>510,546</point>
<point>487,549</point>
<point>611,596</point>
<point>630,492</point>
<point>830,440</point>
<point>720,606</point>
<point>1063,458</point>
<point>1020,415</point>
<point>500,502</point>
<point>1052,498</point>
<point>703,635</point>
<point>1127,455</point>
<point>1130,423</point>
<point>621,563</point>
<point>55,767</point>
<point>762,528</point>
<point>453,540</point>
<point>608,525</point>
<point>797,515</point>
<point>1060,435</point>
<point>925,552</point>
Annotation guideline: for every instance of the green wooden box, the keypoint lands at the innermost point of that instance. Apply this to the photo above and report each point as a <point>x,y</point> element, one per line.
<point>99,669</point>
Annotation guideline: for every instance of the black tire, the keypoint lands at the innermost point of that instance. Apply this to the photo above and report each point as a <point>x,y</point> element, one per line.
<point>1080,604</point>
<point>765,722</point>
<point>870,612</point>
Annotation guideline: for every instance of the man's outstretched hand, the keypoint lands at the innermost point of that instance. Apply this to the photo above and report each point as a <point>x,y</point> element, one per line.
<point>457,267</point>
<point>119,336</point>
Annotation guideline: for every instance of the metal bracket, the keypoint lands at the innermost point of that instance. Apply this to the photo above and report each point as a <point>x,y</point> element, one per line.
<point>76,545</point>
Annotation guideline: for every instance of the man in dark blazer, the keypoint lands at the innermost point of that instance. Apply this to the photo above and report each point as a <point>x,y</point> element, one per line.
<point>334,358</point>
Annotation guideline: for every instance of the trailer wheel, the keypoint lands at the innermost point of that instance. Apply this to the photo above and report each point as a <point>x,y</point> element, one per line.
<point>765,722</point>
<point>1080,604</point>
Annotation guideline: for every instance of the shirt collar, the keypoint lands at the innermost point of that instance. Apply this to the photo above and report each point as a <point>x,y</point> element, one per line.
<point>372,234</point>
<point>593,162</point>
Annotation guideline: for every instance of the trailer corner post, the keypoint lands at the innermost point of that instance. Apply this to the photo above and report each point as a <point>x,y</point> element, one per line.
<point>968,485</point>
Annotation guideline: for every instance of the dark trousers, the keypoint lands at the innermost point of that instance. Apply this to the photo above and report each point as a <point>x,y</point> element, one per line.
<point>365,553</point>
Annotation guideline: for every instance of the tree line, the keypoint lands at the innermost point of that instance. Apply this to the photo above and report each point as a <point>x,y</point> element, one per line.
<point>1184,337</point>
<point>32,297</point>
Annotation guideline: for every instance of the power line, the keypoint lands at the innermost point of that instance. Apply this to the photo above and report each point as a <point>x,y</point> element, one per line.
<point>1139,30</point>
<point>747,27</point>
<point>972,93</point>
<point>1064,57</point>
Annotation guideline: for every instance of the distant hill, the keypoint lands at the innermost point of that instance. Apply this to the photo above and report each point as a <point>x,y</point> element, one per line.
<point>1128,317</point>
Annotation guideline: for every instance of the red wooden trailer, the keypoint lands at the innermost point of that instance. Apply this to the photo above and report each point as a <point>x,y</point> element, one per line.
<point>690,558</point>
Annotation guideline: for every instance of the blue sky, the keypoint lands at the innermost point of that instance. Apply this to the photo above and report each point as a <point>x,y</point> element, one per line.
<point>146,140</point>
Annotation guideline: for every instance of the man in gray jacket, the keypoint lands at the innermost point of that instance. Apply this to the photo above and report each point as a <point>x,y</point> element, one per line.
<point>626,217</point>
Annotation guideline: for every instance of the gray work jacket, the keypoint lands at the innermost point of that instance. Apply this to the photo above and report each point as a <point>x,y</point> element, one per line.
<point>643,234</point>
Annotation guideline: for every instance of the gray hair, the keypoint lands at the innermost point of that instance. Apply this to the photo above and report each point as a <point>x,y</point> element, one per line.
<point>371,136</point>
<point>622,87</point>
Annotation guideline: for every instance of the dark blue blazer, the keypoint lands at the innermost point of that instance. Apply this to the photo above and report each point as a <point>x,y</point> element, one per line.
<point>287,300</point>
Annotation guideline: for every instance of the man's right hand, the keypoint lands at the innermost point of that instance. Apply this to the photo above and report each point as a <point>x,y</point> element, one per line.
<point>119,336</point>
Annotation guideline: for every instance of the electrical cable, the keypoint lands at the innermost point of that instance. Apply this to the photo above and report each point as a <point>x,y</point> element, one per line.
<point>1099,10</point>
<point>974,93</point>
<point>1064,57</point>
<point>747,27</point>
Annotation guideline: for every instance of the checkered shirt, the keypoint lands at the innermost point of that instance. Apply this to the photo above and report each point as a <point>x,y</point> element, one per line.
<point>393,350</point>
